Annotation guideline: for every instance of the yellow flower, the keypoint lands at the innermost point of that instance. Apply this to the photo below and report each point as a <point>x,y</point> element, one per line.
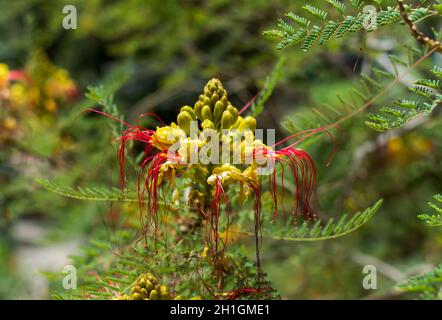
<point>4,75</point>
<point>50,105</point>
<point>18,94</point>
<point>59,84</point>
<point>204,252</point>
<point>395,145</point>
<point>166,136</point>
<point>421,145</point>
<point>9,123</point>
<point>225,173</point>
<point>186,147</point>
<point>167,169</point>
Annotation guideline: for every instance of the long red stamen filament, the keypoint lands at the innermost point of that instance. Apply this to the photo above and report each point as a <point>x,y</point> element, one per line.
<point>248,104</point>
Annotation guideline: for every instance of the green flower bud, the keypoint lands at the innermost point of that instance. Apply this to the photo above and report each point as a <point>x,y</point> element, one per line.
<point>213,87</point>
<point>151,277</point>
<point>234,112</point>
<point>153,295</point>
<point>198,107</point>
<point>164,293</point>
<point>207,124</point>
<point>222,93</point>
<point>142,283</point>
<point>144,294</point>
<point>184,119</point>
<point>179,298</point>
<point>136,296</point>
<point>189,110</point>
<point>206,101</point>
<point>136,289</point>
<point>206,113</point>
<point>226,120</point>
<point>218,111</point>
<point>214,99</point>
<point>248,123</point>
<point>149,285</point>
<point>238,123</point>
<point>224,100</point>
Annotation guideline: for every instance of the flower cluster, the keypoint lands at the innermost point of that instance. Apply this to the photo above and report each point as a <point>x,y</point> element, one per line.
<point>147,287</point>
<point>40,85</point>
<point>229,154</point>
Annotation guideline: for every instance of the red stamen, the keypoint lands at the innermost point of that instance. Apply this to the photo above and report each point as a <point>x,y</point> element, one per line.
<point>248,104</point>
<point>16,75</point>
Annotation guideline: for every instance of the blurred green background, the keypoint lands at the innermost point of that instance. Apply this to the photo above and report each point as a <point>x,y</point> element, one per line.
<point>157,55</point>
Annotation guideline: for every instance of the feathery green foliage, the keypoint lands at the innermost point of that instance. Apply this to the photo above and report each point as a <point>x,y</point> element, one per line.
<point>319,231</point>
<point>371,87</point>
<point>315,11</point>
<point>433,220</point>
<point>348,21</point>
<point>404,111</point>
<point>99,280</point>
<point>105,98</point>
<point>429,285</point>
<point>182,269</point>
<point>338,5</point>
<point>90,193</point>
<point>306,232</point>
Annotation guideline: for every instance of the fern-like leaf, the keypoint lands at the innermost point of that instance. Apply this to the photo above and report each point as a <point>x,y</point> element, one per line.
<point>286,27</point>
<point>433,84</point>
<point>93,194</point>
<point>333,28</point>
<point>311,38</point>
<point>329,29</point>
<point>357,3</point>
<point>345,26</point>
<point>418,14</point>
<point>318,231</point>
<point>293,39</point>
<point>105,98</point>
<point>303,22</point>
<point>388,17</point>
<point>437,71</point>
<point>406,110</point>
<point>318,13</point>
<point>428,285</point>
<point>273,34</point>
<point>433,220</point>
<point>338,5</point>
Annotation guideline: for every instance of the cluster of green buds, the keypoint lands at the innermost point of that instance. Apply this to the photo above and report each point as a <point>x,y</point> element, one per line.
<point>147,287</point>
<point>213,110</point>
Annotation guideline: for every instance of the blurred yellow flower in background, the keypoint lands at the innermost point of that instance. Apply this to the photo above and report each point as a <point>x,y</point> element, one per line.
<point>4,75</point>
<point>408,148</point>
<point>40,85</point>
